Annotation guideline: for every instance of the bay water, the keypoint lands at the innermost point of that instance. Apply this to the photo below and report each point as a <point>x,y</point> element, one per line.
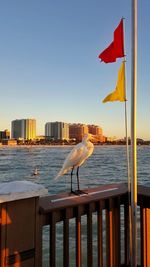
<point>106,165</point>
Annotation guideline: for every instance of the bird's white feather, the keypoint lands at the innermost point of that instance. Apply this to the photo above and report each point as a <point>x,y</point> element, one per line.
<point>77,156</point>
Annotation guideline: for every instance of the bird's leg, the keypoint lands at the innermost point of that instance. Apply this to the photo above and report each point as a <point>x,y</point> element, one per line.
<point>79,192</point>
<point>71,178</point>
<point>78,179</point>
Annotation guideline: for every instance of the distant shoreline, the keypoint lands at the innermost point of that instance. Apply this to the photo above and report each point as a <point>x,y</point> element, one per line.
<point>36,146</point>
<point>61,146</point>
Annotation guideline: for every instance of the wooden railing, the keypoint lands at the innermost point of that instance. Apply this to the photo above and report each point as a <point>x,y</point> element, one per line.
<point>98,219</point>
<point>110,205</point>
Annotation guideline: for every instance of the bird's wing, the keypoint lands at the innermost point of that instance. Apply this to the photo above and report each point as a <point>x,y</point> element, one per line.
<point>73,159</point>
<point>86,154</point>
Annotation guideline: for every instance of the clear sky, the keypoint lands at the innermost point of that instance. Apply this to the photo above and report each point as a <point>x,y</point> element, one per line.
<point>49,66</point>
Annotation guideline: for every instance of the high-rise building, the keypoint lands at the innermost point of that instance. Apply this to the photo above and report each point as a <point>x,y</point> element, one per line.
<point>97,132</point>
<point>57,130</point>
<point>17,130</point>
<point>77,131</point>
<point>30,129</point>
<point>24,128</point>
<point>4,134</point>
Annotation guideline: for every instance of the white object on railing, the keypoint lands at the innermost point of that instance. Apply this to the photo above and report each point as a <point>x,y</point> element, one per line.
<point>15,190</point>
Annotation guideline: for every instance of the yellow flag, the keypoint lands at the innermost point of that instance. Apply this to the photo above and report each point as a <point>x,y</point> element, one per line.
<point>120,93</point>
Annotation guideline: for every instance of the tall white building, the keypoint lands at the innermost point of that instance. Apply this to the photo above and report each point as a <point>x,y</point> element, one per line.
<point>57,130</point>
<point>24,128</point>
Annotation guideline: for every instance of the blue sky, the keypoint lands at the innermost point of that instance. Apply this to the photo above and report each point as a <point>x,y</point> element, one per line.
<point>49,67</point>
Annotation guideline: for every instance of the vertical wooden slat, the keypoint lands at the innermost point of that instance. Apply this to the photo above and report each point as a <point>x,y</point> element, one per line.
<point>66,239</point>
<point>78,237</point>
<point>143,237</point>
<point>100,235</point>
<point>109,236</point>
<point>113,233</point>
<point>38,235</point>
<point>145,234</point>
<point>4,250</point>
<point>89,237</point>
<point>116,233</point>
<point>126,234</point>
<point>53,240</point>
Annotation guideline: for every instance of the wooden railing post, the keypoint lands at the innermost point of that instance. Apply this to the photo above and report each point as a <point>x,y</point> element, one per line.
<point>78,237</point>
<point>19,232</point>
<point>100,234</point>
<point>109,235</point>
<point>66,239</point>
<point>145,237</point>
<point>116,232</point>
<point>89,237</point>
<point>53,240</point>
<point>126,234</point>
<point>113,233</point>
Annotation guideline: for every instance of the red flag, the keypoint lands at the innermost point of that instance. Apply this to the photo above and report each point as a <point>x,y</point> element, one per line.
<point>116,48</point>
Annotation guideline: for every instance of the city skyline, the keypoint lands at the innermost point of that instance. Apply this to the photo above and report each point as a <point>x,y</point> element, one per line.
<point>47,128</point>
<point>23,125</point>
<point>51,70</point>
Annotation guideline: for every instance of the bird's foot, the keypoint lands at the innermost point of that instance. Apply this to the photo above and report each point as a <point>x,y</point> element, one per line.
<point>80,192</point>
<point>73,192</point>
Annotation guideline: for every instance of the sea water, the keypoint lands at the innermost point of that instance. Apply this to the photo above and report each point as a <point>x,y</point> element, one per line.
<point>106,165</point>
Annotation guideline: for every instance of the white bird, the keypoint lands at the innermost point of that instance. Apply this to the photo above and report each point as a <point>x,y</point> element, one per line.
<point>76,158</point>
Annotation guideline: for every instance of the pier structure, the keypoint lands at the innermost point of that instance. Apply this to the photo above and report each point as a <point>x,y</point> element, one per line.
<point>22,223</point>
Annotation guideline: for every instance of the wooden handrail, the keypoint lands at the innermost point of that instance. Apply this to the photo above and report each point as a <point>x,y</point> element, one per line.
<point>64,200</point>
<point>65,206</point>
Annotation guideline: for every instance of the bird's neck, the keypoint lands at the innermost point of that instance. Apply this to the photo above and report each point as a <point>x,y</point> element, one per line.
<point>87,143</point>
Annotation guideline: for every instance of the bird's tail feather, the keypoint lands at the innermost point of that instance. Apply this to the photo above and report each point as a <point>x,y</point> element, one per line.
<point>61,173</point>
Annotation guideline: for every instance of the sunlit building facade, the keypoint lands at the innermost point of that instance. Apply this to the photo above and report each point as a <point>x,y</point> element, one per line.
<point>97,132</point>
<point>77,131</point>
<point>23,129</point>
<point>57,130</point>
<point>30,129</point>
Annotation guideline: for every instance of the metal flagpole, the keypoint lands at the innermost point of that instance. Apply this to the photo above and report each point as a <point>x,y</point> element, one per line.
<point>126,125</point>
<point>128,161</point>
<point>133,136</point>
<point>129,185</point>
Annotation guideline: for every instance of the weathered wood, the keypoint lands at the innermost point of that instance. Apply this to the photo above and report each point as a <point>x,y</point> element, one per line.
<point>4,250</point>
<point>66,238</point>
<point>38,235</point>
<point>109,235</point>
<point>18,230</point>
<point>60,207</point>
<point>20,225</point>
<point>62,201</point>
<point>53,240</point>
<point>126,233</point>
<point>100,234</point>
<point>116,233</point>
<point>113,233</point>
<point>89,237</point>
<point>78,238</point>
<point>145,237</point>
